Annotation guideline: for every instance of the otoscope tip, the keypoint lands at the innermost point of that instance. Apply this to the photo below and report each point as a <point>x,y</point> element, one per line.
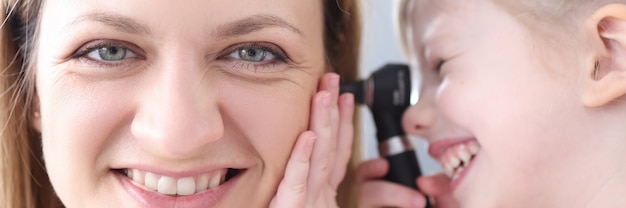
<point>357,89</point>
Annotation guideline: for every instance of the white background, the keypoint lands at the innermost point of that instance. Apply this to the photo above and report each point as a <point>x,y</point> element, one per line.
<point>381,46</point>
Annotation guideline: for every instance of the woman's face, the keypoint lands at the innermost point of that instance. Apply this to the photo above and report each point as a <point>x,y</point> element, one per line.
<point>486,95</point>
<point>174,104</point>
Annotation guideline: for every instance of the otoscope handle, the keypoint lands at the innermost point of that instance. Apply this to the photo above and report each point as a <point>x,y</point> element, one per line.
<point>404,169</point>
<point>403,165</point>
<point>408,172</point>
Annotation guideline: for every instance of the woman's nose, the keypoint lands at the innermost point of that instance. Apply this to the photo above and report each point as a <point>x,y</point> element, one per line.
<point>178,109</point>
<point>418,119</point>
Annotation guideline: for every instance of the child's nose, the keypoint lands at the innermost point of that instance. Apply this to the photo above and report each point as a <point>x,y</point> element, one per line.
<point>418,119</point>
<point>178,110</point>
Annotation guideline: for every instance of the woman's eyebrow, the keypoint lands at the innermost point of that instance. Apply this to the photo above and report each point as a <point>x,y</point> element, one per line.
<point>236,28</point>
<point>253,23</point>
<point>118,22</point>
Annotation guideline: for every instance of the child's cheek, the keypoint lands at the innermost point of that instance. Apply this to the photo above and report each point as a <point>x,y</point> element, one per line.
<point>461,103</point>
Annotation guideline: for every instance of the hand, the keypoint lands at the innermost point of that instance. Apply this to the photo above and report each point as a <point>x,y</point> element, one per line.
<point>320,157</point>
<point>375,192</point>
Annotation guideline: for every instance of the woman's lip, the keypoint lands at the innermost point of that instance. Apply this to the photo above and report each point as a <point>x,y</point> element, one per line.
<point>460,176</point>
<point>147,198</point>
<point>437,148</point>
<point>177,174</point>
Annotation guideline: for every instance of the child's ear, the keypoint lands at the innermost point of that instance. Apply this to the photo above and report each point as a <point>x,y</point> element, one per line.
<point>608,76</point>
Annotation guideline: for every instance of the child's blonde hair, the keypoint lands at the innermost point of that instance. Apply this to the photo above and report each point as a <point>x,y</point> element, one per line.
<point>553,23</point>
<point>549,19</point>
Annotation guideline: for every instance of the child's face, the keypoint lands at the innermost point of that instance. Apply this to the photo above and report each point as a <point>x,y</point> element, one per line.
<point>493,98</point>
<point>173,95</point>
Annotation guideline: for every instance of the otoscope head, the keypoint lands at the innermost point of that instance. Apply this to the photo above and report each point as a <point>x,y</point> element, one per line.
<point>387,93</point>
<point>389,85</point>
<point>357,89</point>
<point>392,88</point>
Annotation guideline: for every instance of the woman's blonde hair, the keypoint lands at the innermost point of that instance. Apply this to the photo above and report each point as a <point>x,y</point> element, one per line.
<point>343,44</point>
<point>24,180</point>
<point>25,183</point>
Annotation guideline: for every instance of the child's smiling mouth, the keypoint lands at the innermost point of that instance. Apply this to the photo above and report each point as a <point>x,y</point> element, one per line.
<point>456,158</point>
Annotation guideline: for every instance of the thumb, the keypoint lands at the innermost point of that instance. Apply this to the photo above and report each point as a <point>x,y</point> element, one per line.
<point>438,186</point>
<point>434,184</point>
<point>372,169</point>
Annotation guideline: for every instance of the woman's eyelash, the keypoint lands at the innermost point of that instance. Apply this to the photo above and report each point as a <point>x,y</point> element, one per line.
<point>245,56</point>
<point>103,46</point>
<point>273,50</point>
<point>251,55</point>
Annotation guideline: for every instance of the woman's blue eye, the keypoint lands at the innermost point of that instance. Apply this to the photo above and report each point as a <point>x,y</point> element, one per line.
<point>111,53</point>
<point>253,54</point>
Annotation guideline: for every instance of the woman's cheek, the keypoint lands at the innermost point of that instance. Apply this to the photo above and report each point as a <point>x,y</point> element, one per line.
<point>269,121</point>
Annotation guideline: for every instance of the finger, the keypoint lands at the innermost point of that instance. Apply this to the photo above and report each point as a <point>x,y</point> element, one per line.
<point>324,122</point>
<point>379,193</point>
<point>292,189</point>
<point>345,137</point>
<point>438,186</point>
<point>372,169</point>
<point>324,147</point>
<point>330,82</point>
<point>435,184</point>
<point>446,200</point>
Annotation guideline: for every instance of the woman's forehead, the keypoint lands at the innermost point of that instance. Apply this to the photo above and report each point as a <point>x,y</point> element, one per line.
<point>196,13</point>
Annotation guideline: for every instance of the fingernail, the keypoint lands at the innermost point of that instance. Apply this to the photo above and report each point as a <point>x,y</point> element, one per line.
<point>333,81</point>
<point>349,100</point>
<point>326,100</point>
<point>311,140</point>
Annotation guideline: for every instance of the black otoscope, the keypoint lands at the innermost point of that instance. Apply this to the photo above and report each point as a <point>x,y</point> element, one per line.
<point>387,93</point>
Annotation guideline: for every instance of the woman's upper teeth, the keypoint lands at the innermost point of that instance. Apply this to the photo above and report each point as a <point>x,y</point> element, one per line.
<point>458,157</point>
<point>177,186</point>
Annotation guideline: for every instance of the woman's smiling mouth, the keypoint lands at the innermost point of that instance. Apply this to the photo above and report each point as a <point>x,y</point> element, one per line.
<point>179,186</point>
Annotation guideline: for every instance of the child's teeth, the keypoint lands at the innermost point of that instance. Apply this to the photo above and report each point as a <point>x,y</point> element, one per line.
<point>456,173</point>
<point>449,170</point>
<point>167,185</point>
<point>464,154</point>
<point>454,161</point>
<point>186,186</point>
<point>152,181</point>
<point>473,148</point>
<point>459,157</point>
